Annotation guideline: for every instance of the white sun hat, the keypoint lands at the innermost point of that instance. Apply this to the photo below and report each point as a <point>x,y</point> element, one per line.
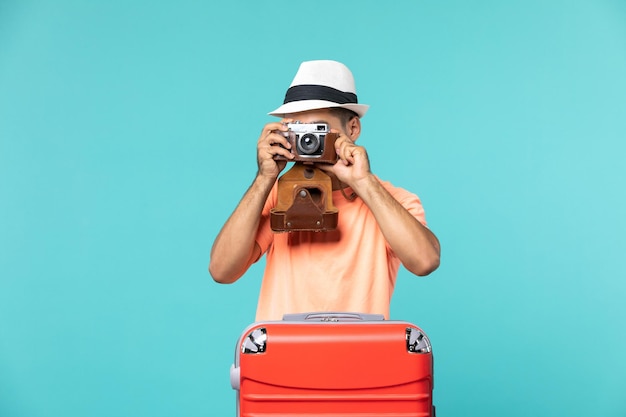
<point>321,85</point>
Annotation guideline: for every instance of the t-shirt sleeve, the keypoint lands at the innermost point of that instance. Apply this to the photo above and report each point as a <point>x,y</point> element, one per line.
<point>409,201</point>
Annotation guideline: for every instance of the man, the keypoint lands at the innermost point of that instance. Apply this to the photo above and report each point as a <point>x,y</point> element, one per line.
<point>352,268</point>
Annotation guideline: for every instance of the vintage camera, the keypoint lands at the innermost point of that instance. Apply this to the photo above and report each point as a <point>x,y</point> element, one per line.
<point>311,142</point>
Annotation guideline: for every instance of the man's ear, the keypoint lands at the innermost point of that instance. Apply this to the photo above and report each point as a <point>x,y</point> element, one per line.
<point>353,128</point>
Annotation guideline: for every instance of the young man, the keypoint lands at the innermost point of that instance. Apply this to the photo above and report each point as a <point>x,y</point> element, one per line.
<point>352,268</point>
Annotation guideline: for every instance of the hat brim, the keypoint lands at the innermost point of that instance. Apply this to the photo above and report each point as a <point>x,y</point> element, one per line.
<point>305,105</point>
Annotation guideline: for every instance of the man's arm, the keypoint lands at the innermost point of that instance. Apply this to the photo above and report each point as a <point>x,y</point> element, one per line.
<point>235,248</point>
<point>415,245</point>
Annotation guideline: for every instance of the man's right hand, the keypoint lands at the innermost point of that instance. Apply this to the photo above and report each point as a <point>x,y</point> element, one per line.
<point>270,144</point>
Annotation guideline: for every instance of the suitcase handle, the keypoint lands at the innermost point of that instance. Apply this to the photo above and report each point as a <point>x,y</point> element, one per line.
<point>333,317</point>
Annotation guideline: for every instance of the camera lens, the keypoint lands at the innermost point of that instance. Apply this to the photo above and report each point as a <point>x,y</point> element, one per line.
<point>309,144</point>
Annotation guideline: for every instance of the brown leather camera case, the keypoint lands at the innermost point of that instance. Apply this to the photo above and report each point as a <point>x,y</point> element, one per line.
<point>304,201</point>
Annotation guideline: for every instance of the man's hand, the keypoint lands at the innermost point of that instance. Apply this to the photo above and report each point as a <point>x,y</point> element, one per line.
<point>269,145</point>
<point>352,165</point>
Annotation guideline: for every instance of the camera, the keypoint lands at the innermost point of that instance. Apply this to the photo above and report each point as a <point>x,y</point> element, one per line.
<point>310,142</point>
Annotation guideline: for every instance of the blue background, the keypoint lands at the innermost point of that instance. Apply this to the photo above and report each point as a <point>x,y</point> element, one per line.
<point>127,136</point>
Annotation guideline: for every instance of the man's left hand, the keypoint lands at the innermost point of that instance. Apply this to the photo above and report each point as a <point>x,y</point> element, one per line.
<point>352,164</point>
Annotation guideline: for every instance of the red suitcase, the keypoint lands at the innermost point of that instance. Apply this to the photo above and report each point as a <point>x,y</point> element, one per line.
<point>333,364</point>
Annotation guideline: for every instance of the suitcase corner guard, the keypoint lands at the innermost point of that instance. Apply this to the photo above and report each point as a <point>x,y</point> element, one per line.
<point>235,377</point>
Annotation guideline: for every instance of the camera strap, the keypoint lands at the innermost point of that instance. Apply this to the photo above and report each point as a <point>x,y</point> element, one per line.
<point>351,197</point>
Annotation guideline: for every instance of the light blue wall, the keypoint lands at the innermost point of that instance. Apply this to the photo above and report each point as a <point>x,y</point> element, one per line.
<point>127,133</point>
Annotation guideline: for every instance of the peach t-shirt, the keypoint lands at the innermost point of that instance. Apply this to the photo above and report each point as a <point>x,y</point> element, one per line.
<point>349,269</point>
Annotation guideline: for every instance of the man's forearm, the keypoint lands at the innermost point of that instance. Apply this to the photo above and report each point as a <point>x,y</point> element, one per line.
<point>234,248</point>
<point>414,244</point>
